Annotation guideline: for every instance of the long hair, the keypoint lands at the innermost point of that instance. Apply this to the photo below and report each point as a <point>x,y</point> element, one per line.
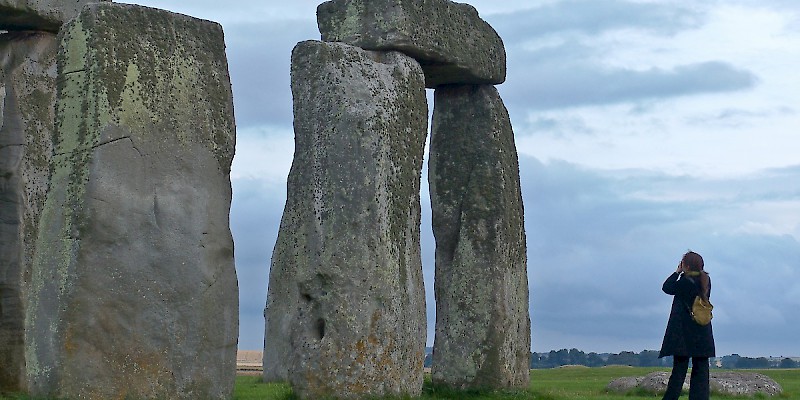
<point>694,262</point>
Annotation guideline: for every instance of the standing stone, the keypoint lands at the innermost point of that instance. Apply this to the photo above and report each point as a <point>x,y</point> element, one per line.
<point>482,323</point>
<point>40,15</point>
<point>133,291</point>
<point>345,313</point>
<point>451,42</point>
<point>27,101</point>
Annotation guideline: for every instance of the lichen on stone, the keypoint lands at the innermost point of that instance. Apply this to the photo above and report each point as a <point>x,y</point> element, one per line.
<point>482,328</point>
<point>345,313</point>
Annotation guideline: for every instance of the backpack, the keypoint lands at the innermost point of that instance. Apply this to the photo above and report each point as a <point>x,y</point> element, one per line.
<point>701,311</point>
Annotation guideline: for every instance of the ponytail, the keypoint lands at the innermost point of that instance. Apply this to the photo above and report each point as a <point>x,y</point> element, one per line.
<point>694,262</point>
<point>704,285</point>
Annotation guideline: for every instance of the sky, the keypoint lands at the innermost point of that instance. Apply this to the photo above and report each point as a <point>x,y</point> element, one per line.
<point>644,128</point>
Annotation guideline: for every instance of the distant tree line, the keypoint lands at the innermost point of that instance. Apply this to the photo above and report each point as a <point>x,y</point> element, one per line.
<point>735,361</point>
<point>649,358</point>
<point>644,358</point>
<point>559,358</point>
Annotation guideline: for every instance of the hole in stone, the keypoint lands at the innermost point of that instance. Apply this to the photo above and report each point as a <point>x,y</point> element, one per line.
<point>320,329</point>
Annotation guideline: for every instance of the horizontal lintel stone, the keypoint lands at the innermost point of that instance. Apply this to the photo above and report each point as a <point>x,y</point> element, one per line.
<point>451,42</point>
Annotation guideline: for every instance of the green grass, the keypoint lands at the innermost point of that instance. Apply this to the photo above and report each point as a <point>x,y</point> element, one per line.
<point>789,379</point>
<point>570,383</point>
<point>251,388</point>
<point>582,382</point>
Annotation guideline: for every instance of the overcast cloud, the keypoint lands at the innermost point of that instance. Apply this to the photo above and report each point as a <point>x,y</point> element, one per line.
<point>644,128</point>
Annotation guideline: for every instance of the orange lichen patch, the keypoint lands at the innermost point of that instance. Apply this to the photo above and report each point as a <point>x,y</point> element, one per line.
<point>361,352</point>
<point>140,375</point>
<point>69,344</point>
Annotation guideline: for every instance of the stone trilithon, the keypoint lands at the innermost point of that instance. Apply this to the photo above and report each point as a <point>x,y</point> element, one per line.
<point>345,312</point>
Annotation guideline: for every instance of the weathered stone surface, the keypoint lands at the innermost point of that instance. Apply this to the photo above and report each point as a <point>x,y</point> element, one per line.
<point>41,15</point>
<point>482,322</point>
<point>727,383</point>
<point>451,42</point>
<point>744,384</point>
<point>27,101</point>
<point>625,384</point>
<point>133,290</point>
<point>657,382</point>
<point>345,312</point>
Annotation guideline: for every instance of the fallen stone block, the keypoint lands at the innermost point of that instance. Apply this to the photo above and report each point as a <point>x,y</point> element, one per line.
<point>133,288</point>
<point>39,15</point>
<point>744,384</point>
<point>345,315</point>
<point>625,384</point>
<point>27,102</point>
<point>725,383</point>
<point>451,42</point>
<point>482,320</point>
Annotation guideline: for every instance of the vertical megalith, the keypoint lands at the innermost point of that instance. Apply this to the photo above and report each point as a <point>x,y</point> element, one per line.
<point>481,287</point>
<point>345,313</point>
<point>27,97</point>
<point>133,290</point>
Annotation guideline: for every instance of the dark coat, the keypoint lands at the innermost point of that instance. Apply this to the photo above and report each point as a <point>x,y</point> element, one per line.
<point>684,337</point>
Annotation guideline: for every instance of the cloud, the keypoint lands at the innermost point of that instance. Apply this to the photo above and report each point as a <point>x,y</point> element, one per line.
<point>591,17</point>
<point>734,117</point>
<point>260,69</point>
<point>602,242</point>
<point>560,127</point>
<point>555,78</point>
<point>264,154</point>
<point>244,11</point>
<point>579,53</point>
<point>256,212</point>
<point>559,55</point>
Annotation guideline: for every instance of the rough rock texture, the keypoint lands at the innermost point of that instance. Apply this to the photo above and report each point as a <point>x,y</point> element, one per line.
<point>727,383</point>
<point>622,385</point>
<point>657,382</point>
<point>41,15</point>
<point>133,290</point>
<point>744,384</point>
<point>27,101</point>
<point>482,323</point>
<point>451,42</point>
<point>345,312</point>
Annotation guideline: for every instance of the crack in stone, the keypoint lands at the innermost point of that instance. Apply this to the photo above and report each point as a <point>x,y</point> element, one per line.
<point>75,71</point>
<point>64,76</point>
<point>133,144</point>
<point>110,141</point>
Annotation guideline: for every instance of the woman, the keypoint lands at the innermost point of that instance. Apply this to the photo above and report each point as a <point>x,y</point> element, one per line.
<point>685,338</point>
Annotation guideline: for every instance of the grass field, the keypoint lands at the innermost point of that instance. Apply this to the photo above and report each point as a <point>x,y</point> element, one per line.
<point>548,384</point>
